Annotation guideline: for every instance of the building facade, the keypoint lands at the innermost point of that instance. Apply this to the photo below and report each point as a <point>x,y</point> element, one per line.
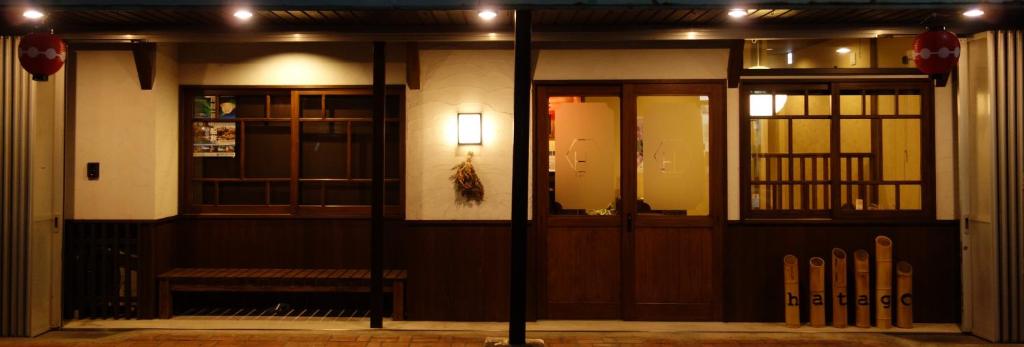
<point>677,153</point>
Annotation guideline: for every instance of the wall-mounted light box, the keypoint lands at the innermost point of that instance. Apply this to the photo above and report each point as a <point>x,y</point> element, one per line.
<point>469,129</point>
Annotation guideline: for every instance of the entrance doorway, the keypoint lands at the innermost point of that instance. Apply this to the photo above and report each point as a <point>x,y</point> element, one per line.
<point>629,200</point>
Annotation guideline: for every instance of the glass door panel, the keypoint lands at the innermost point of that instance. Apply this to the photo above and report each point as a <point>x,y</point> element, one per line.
<point>673,149</point>
<point>584,155</point>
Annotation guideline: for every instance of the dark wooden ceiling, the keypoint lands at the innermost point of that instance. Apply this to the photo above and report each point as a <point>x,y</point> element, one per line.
<point>216,19</point>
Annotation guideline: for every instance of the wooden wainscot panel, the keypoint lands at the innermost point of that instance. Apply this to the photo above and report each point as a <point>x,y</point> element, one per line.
<point>459,271</point>
<point>283,243</point>
<point>584,272</point>
<point>672,273</point>
<point>753,278</point>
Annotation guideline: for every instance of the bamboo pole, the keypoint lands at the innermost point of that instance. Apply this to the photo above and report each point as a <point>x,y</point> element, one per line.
<point>883,282</point>
<point>816,277</point>
<point>791,273</point>
<point>840,297</point>
<point>862,269</point>
<point>905,301</point>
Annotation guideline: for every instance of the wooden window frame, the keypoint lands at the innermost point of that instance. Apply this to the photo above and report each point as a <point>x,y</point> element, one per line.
<point>293,208</point>
<point>835,212</point>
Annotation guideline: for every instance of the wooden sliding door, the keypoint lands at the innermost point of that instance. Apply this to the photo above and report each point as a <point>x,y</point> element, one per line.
<point>628,200</point>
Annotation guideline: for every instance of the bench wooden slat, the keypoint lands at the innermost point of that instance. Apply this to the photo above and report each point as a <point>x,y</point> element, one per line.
<point>242,274</point>
<point>197,273</point>
<point>302,274</point>
<point>325,273</point>
<point>276,273</point>
<point>310,274</point>
<point>213,273</point>
<point>219,273</point>
<point>257,273</point>
<point>296,274</point>
<point>277,280</point>
<point>286,273</point>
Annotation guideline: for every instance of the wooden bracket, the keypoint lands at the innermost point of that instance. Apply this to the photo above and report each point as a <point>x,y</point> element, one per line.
<point>145,63</point>
<point>412,65</point>
<point>940,79</point>
<point>735,63</point>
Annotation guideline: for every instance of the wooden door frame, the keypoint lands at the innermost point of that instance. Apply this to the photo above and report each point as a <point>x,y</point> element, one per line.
<point>717,190</point>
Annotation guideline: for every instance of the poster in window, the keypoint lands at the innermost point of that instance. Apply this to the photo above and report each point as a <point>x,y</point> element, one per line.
<point>204,106</point>
<point>227,105</point>
<point>213,139</point>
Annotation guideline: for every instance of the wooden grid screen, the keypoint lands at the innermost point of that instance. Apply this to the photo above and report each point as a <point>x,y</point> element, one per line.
<point>830,150</point>
<point>294,152</point>
<point>104,276</point>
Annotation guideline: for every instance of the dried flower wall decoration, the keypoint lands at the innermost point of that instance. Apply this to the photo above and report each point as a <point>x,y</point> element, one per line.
<point>468,187</point>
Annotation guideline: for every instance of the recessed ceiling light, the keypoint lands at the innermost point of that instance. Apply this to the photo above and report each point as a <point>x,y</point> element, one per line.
<point>33,14</point>
<point>487,14</point>
<point>974,12</point>
<point>842,50</point>
<point>737,13</point>
<point>243,14</point>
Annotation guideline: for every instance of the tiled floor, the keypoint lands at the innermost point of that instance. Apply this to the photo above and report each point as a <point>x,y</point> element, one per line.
<point>391,338</point>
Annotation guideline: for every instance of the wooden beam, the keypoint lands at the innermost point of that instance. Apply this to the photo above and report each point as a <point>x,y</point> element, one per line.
<point>145,63</point>
<point>377,183</point>
<point>636,44</point>
<point>412,65</point>
<point>520,177</point>
<point>99,46</point>
<point>735,63</point>
<point>831,72</point>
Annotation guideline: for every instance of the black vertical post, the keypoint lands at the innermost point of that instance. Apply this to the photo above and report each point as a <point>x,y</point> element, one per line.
<point>377,181</point>
<point>520,176</point>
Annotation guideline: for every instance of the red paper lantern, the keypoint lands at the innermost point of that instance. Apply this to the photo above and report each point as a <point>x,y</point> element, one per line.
<point>936,51</point>
<point>41,54</point>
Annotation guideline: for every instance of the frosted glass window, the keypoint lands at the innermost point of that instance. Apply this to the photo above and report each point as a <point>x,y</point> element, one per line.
<point>585,142</point>
<point>672,155</point>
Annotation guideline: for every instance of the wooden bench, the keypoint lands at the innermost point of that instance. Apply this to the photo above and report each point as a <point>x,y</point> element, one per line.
<point>277,281</point>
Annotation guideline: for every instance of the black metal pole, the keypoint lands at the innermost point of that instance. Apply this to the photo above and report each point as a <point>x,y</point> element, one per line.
<point>520,176</point>
<point>377,204</point>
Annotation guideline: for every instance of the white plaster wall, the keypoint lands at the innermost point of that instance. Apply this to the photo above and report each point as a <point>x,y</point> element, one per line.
<point>292,64</point>
<point>631,64</point>
<point>454,81</point>
<point>131,132</point>
<point>165,143</point>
